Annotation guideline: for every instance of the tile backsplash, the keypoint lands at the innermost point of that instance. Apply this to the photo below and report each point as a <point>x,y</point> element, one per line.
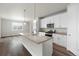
<point>64,30</point>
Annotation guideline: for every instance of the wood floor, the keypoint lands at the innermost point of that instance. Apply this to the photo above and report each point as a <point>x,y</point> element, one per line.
<point>61,51</point>
<point>11,46</point>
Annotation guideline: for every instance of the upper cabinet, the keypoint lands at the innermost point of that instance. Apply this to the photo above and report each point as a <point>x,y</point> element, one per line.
<point>63,20</point>
<point>56,21</point>
<point>51,19</point>
<point>45,21</point>
<point>59,20</point>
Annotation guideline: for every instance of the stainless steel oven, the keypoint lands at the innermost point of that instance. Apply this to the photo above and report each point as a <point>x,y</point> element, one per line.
<point>51,30</point>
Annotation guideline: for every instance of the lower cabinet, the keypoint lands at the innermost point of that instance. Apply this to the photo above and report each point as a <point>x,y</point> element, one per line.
<point>60,39</point>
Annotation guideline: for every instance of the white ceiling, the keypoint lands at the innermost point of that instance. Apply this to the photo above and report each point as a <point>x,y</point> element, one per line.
<point>48,8</point>
<point>15,11</point>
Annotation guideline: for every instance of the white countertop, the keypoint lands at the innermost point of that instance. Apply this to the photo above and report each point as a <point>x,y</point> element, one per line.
<point>36,38</point>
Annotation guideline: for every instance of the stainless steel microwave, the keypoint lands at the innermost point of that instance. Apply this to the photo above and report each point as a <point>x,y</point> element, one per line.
<point>50,25</point>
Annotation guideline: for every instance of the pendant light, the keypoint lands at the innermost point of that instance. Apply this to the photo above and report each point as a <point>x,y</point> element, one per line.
<point>34,21</point>
<point>34,11</point>
<point>24,19</point>
<point>23,23</point>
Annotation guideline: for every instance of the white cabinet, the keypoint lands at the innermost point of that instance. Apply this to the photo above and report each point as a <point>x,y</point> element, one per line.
<point>63,20</point>
<point>44,22</point>
<point>60,20</point>
<point>73,37</point>
<point>51,19</point>
<point>60,39</point>
<point>56,21</point>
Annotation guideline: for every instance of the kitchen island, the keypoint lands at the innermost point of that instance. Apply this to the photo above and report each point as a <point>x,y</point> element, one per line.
<point>37,45</point>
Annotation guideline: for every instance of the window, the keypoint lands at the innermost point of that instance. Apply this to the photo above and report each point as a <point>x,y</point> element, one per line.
<point>17,26</point>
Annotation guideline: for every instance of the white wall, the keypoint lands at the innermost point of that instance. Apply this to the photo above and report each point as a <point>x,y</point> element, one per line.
<point>78,31</point>
<point>6,27</point>
<point>73,32</point>
<point>15,11</point>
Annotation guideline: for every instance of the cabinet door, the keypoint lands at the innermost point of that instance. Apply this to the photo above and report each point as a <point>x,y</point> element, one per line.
<point>63,20</point>
<point>44,22</point>
<point>56,21</point>
<point>51,19</point>
<point>47,20</point>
